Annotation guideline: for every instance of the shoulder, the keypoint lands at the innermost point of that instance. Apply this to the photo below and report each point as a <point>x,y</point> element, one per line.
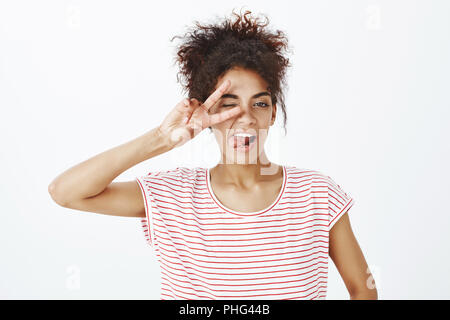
<point>306,173</point>
<point>171,172</point>
<point>312,177</point>
<point>182,174</point>
<point>321,182</point>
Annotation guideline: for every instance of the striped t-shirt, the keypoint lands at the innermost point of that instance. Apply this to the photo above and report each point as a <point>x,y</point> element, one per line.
<point>207,251</point>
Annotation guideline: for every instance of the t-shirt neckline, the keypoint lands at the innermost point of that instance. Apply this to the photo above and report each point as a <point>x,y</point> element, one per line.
<point>270,207</point>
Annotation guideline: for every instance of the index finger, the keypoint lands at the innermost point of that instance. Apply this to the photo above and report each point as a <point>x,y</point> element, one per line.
<point>212,99</point>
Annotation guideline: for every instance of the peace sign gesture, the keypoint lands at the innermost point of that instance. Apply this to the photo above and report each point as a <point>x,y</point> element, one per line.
<point>190,117</point>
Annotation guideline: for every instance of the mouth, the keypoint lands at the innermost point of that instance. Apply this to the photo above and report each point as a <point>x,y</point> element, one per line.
<point>242,143</point>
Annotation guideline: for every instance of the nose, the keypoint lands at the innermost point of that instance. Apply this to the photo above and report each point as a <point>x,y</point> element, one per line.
<point>246,117</point>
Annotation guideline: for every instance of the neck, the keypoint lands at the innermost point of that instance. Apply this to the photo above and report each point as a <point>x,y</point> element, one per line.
<point>246,175</point>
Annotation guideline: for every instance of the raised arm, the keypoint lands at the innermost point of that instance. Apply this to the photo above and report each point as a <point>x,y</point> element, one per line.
<point>88,186</point>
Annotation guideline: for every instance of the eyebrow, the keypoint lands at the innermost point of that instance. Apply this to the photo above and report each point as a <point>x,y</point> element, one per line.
<point>233,96</point>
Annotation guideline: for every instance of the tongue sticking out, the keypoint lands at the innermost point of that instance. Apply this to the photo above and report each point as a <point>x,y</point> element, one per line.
<point>242,141</point>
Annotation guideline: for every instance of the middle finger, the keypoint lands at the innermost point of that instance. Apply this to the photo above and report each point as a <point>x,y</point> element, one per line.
<point>212,99</point>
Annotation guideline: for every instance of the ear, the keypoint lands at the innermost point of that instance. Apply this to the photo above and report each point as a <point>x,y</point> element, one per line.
<point>274,113</point>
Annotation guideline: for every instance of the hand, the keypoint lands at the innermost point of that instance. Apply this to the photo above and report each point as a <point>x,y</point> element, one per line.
<point>190,117</point>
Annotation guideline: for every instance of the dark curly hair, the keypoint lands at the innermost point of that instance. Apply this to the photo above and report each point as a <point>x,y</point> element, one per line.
<point>208,51</point>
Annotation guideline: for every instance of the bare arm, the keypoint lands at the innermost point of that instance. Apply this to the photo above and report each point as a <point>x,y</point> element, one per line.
<point>87,186</point>
<point>346,254</point>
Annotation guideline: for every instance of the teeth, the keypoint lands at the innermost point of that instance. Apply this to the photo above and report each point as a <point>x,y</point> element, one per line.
<point>243,135</point>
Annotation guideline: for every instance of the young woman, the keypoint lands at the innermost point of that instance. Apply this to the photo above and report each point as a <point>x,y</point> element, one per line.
<point>247,228</point>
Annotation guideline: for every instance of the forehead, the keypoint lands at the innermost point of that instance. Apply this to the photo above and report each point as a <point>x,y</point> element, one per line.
<point>243,80</point>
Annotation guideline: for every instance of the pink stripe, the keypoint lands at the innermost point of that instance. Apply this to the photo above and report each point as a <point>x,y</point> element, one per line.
<point>206,251</point>
<point>195,274</point>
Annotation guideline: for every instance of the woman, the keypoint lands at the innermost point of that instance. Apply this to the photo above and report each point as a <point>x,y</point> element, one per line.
<point>246,228</point>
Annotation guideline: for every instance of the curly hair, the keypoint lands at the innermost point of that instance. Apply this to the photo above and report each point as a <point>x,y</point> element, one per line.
<point>209,50</point>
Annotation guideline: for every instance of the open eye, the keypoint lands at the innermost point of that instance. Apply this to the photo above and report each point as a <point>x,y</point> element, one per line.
<point>265,105</point>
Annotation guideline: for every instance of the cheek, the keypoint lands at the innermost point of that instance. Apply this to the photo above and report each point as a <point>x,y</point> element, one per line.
<point>222,127</point>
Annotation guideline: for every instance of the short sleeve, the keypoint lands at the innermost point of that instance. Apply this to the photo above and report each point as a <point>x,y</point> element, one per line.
<point>339,202</point>
<point>148,184</point>
<point>147,222</point>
